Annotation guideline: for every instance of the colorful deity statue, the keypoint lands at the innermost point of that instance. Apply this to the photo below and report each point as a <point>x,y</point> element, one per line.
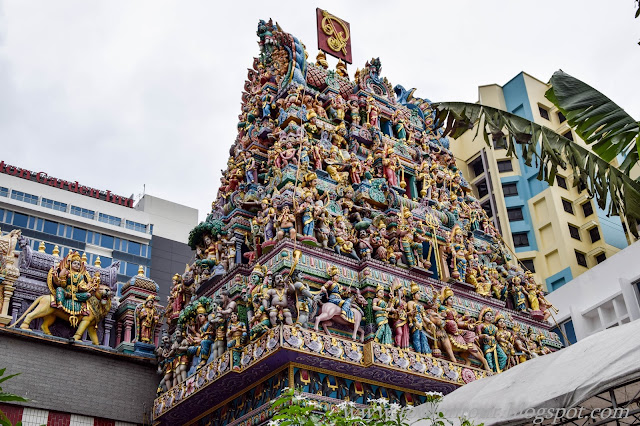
<point>164,358</point>
<point>505,340</point>
<point>306,210</point>
<point>181,361</point>
<point>487,331</point>
<point>459,338</point>
<point>277,302</point>
<point>266,219</point>
<point>334,291</point>
<point>381,309</point>
<point>400,315</point>
<point>203,334</point>
<point>73,285</point>
<point>236,331</point>
<point>287,224</point>
<point>304,298</point>
<point>178,297</point>
<point>260,321</point>
<point>372,112</point>
<point>458,254</point>
<point>517,292</point>
<point>419,322</point>
<point>399,125</point>
<point>147,317</point>
<point>390,165</point>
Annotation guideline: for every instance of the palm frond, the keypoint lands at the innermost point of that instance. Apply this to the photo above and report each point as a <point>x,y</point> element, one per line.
<point>543,148</point>
<point>598,120</point>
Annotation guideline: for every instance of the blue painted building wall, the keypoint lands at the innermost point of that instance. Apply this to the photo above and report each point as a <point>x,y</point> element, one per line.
<point>517,102</point>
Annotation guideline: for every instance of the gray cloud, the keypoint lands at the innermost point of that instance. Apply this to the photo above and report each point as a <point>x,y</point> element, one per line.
<point>121,94</point>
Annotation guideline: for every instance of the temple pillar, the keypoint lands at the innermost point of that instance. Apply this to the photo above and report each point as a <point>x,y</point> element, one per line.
<point>127,330</point>
<point>108,325</point>
<point>6,293</point>
<point>239,240</point>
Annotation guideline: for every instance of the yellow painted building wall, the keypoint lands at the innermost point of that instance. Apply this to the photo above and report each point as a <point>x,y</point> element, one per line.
<point>556,248</point>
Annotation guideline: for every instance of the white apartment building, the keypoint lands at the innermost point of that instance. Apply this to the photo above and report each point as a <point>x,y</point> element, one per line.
<point>151,233</point>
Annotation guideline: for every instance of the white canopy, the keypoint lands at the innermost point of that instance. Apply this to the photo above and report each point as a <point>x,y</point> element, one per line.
<point>543,386</point>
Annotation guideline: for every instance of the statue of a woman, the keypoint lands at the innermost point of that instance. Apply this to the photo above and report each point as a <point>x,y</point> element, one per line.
<point>493,353</point>
<point>73,285</point>
<point>381,311</point>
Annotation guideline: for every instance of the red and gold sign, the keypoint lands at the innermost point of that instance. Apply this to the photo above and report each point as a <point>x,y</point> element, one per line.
<point>334,35</point>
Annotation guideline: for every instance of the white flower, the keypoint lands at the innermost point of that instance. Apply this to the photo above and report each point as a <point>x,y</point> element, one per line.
<point>273,422</point>
<point>342,405</point>
<point>351,404</point>
<point>382,401</point>
<point>394,408</point>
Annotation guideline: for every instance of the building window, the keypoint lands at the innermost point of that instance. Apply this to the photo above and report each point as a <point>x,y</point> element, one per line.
<point>562,182</point>
<point>569,135</point>
<point>574,232</point>
<point>509,189</point>
<point>477,167</point>
<point>79,234</point>
<point>520,239</point>
<point>587,209</point>
<point>106,218</point>
<point>136,226</point>
<point>567,206</point>
<point>515,214</point>
<point>79,211</point>
<point>106,241</point>
<point>20,220</point>
<point>528,263</point>
<point>483,189</point>
<point>500,143</point>
<point>581,258</point>
<point>505,166</point>
<point>486,206</point>
<point>601,258</point>
<point>569,331</point>
<point>594,234</point>
<point>544,113</point>
<point>561,117</point>
<point>133,248</point>
<point>50,227</point>
<point>55,205</point>
<point>4,192</point>
<point>22,196</point>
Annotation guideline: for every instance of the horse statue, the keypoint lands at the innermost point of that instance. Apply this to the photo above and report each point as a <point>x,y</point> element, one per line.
<point>331,313</point>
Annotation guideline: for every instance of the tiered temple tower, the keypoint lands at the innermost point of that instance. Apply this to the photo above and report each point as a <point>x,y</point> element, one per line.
<point>344,256</point>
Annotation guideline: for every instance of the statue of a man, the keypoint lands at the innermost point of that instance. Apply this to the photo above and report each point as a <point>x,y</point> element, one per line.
<point>278,301</point>
<point>147,318</point>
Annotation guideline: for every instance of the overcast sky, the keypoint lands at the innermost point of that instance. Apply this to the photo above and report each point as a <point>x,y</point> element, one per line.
<point>121,94</point>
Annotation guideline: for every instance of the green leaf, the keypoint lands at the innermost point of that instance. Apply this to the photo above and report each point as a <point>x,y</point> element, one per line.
<point>4,396</point>
<point>596,119</point>
<point>2,379</point>
<point>610,187</point>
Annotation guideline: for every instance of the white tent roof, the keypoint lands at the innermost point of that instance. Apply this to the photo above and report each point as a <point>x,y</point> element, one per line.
<point>571,377</point>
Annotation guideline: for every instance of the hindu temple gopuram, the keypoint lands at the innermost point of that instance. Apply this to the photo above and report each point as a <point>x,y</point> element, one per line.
<point>344,255</point>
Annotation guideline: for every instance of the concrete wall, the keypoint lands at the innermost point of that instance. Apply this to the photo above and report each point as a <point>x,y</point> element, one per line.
<point>167,258</point>
<point>604,296</point>
<point>170,220</point>
<point>551,247</point>
<point>79,380</point>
